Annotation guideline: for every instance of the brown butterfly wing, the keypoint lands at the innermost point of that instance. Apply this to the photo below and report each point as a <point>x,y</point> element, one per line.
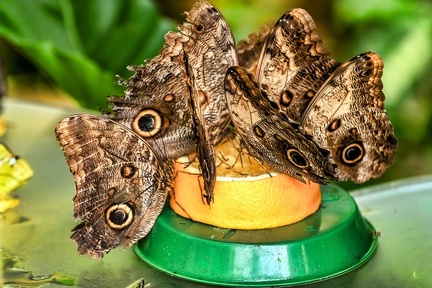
<point>363,146</point>
<point>121,183</point>
<point>294,63</point>
<point>347,117</point>
<point>155,105</point>
<point>269,136</point>
<point>287,151</point>
<point>203,49</point>
<point>210,51</point>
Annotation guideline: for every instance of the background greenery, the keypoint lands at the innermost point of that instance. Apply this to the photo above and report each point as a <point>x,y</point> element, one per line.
<point>79,46</point>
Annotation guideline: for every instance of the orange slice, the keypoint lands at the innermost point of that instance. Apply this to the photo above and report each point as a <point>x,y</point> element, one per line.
<point>246,196</point>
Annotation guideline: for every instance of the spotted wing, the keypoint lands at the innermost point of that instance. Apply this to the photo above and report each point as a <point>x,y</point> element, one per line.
<point>347,117</point>
<point>121,183</point>
<point>269,136</point>
<point>155,105</point>
<point>293,63</point>
<point>209,50</point>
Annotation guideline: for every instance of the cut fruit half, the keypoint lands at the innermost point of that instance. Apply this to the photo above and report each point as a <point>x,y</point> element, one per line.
<point>246,196</point>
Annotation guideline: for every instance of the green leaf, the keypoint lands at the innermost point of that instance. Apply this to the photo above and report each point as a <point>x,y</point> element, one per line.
<point>399,30</point>
<point>81,45</point>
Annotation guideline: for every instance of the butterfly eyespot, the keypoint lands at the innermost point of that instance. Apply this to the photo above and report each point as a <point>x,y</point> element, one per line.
<point>169,98</point>
<point>334,125</point>
<point>297,158</point>
<point>352,153</point>
<point>199,28</point>
<point>309,94</point>
<point>112,191</point>
<point>366,73</point>
<point>353,131</point>
<point>128,171</point>
<point>259,132</point>
<point>286,98</point>
<point>119,216</point>
<point>147,123</point>
<point>367,64</point>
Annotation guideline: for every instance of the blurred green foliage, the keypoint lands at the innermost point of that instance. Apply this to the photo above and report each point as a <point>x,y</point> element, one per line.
<point>401,31</point>
<point>80,45</point>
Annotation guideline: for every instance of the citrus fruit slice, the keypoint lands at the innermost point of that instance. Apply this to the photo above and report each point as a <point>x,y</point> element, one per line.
<point>247,195</point>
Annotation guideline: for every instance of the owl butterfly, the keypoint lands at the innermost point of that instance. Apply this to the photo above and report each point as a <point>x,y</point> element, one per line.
<point>336,110</point>
<point>123,163</point>
<point>121,182</point>
<point>178,98</point>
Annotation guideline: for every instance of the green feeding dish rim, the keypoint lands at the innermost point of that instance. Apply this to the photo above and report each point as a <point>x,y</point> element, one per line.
<point>333,241</point>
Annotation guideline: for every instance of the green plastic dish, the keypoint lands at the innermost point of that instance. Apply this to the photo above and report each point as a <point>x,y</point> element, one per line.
<point>333,241</point>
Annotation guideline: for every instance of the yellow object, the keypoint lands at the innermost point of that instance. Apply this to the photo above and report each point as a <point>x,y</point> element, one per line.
<point>247,196</point>
<point>14,172</point>
<point>2,126</point>
<point>8,203</point>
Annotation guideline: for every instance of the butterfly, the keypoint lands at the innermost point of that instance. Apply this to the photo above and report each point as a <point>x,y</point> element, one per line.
<point>121,182</point>
<point>305,114</point>
<point>123,162</point>
<point>178,97</point>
